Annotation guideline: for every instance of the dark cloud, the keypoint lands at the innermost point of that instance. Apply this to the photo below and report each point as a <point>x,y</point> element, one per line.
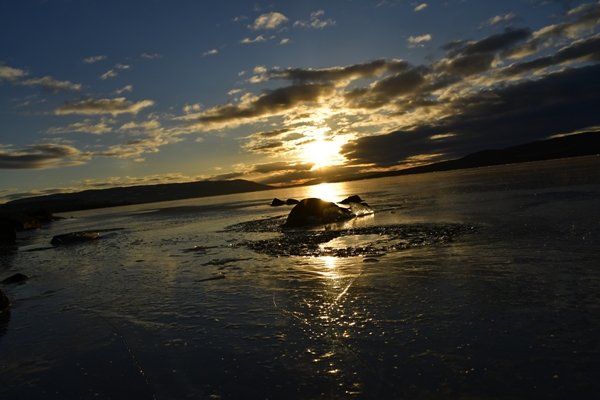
<point>581,50</point>
<point>512,114</point>
<point>271,134</point>
<point>466,65</point>
<point>39,156</point>
<point>454,44</point>
<point>271,103</point>
<point>480,56</point>
<point>380,93</point>
<point>334,74</point>
<point>266,148</point>
<point>226,177</point>
<point>282,166</point>
<point>585,17</point>
<point>495,43</point>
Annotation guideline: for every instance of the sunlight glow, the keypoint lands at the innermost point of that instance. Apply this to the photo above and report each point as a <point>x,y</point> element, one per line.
<point>325,191</point>
<point>321,150</point>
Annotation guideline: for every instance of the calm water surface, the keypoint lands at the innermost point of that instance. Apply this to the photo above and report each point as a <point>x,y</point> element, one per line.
<point>480,283</point>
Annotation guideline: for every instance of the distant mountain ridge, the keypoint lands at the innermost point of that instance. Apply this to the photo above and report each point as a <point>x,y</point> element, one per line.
<point>577,145</point>
<point>583,144</point>
<point>96,198</point>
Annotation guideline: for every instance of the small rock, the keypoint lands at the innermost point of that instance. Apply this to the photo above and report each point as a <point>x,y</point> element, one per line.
<point>277,202</point>
<point>16,278</point>
<point>352,199</point>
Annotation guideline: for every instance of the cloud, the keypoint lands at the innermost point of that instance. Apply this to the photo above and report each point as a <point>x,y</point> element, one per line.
<point>497,117</point>
<point>259,38</point>
<point>274,102</point>
<point>109,74</point>
<point>341,75</point>
<point>51,85</point>
<point>9,73</point>
<point>136,147</point>
<point>92,60</point>
<point>151,56</point>
<point>193,108</point>
<point>103,106</point>
<point>145,126</point>
<point>499,18</point>
<point>266,148</point>
<point>585,18</point>
<point>415,41</point>
<point>272,134</point>
<point>207,53</point>
<point>268,21</point>
<point>82,127</point>
<point>39,156</point>
<point>379,94</point>
<point>112,73</point>
<point>281,166</point>
<point>497,42</point>
<point>314,21</point>
<point>580,50</point>
<point>284,41</point>
<point>127,88</point>
<point>476,57</point>
<point>390,114</point>
<point>420,7</point>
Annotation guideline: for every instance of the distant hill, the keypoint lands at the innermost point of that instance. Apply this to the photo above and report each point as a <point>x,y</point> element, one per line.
<point>583,144</point>
<point>132,195</point>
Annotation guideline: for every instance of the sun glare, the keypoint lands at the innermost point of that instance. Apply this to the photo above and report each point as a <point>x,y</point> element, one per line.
<point>325,191</point>
<point>320,150</point>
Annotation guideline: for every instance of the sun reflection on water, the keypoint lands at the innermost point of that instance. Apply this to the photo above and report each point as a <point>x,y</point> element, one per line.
<point>333,192</point>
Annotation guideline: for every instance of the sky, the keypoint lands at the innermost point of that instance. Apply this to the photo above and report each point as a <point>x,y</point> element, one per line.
<point>97,94</point>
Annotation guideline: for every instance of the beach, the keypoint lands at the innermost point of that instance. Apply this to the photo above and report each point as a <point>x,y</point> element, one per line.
<point>475,283</point>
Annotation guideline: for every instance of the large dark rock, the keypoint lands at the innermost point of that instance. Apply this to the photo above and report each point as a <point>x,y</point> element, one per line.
<point>19,221</point>
<point>314,211</point>
<point>4,302</point>
<point>291,202</point>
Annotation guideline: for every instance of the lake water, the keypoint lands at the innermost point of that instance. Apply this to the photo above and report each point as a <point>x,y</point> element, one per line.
<point>481,283</point>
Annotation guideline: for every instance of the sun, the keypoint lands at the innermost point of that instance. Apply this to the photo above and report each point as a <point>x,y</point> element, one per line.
<point>321,150</point>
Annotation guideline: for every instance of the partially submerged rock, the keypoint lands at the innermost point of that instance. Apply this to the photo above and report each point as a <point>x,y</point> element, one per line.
<point>277,202</point>
<point>314,211</point>
<point>352,199</point>
<point>74,237</point>
<point>16,278</point>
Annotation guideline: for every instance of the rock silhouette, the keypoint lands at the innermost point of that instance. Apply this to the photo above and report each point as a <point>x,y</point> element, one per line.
<point>314,210</point>
<point>277,202</point>
<point>352,199</point>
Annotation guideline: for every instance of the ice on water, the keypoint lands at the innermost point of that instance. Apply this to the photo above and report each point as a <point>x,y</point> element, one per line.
<point>479,283</point>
